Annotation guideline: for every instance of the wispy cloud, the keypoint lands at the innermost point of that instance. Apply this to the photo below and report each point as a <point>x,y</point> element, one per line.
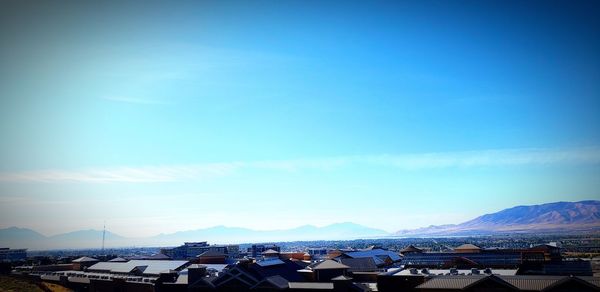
<point>490,158</point>
<point>407,162</point>
<point>124,174</point>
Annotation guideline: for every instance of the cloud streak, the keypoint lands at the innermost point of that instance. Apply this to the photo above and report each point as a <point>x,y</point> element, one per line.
<point>406,162</point>
<point>490,158</point>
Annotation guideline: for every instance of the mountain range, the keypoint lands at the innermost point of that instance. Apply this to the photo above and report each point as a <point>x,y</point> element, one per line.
<point>558,217</point>
<point>550,218</point>
<point>26,238</point>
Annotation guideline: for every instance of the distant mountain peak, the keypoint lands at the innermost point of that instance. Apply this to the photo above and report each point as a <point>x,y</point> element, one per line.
<point>548,217</point>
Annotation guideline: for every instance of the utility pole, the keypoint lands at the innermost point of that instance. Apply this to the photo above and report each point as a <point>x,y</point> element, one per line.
<point>103,236</point>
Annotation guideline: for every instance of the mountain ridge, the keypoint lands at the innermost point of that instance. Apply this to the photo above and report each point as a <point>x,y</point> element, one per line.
<point>216,234</point>
<point>550,217</point>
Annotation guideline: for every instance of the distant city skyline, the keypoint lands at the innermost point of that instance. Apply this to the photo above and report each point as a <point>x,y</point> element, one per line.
<point>162,117</point>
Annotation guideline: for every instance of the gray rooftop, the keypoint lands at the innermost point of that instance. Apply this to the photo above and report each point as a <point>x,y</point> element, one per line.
<point>148,267</point>
<point>328,265</point>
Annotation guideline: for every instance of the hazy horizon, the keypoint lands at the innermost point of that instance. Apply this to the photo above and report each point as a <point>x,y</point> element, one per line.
<point>192,228</point>
<point>161,117</point>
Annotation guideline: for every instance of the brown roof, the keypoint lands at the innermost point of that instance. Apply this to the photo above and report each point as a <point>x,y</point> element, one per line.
<point>410,248</point>
<point>467,246</point>
<point>328,265</point>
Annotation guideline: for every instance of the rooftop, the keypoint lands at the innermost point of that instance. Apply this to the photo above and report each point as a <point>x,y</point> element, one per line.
<point>271,262</point>
<point>146,267</point>
<point>410,248</point>
<point>374,253</point>
<point>328,265</point>
<point>360,264</point>
<point>467,246</point>
<point>85,260</point>
<point>503,272</point>
<point>460,282</point>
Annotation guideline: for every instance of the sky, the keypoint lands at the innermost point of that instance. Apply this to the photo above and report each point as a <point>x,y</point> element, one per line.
<point>157,116</point>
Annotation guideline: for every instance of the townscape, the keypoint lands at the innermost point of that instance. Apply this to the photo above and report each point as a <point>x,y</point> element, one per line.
<point>502,263</point>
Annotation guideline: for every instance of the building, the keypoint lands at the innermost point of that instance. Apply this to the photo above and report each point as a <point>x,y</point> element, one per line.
<point>155,257</point>
<point>550,252</point>
<point>366,264</point>
<point>301,256</point>
<point>186,251</point>
<point>381,257</point>
<point>467,248</point>
<point>256,250</point>
<point>267,275</point>
<point>83,263</point>
<point>132,275</point>
<point>11,255</point>
<point>248,275</point>
<point>137,267</point>
<point>282,274</point>
<point>454,271</point>
<point>318,252</point>
<point>543,259</point>
<point>462,260</point>
<point>211,257</point>
<point>564,268</point>
<point>190,250</point>
<point>327,270</point>
<point>410,249</point>
<point>471,256</point>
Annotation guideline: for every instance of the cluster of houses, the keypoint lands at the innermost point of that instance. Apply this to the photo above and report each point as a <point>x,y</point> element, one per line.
<point>467,268</point>
<point>9,255</point>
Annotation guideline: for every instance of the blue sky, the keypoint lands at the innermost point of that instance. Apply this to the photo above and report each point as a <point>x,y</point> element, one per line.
<point>159,117</point>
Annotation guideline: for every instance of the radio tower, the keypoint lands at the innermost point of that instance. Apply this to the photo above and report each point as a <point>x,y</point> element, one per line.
<point>103,236</point>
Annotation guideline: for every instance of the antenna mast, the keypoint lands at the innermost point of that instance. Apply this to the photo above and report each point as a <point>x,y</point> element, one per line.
<point>103,235</point>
